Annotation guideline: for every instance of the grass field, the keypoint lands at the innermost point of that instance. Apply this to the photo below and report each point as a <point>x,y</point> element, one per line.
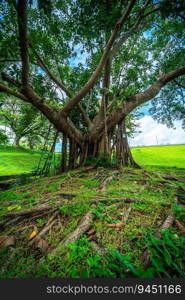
<point>16,160</point>
<point>154,198</point>
<point>113,246</point>
<point>166,156</point>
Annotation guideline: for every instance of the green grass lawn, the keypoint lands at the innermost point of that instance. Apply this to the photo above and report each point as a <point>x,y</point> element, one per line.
<point>16,160</point>
<point>158,190</point>
<point>164,156</point>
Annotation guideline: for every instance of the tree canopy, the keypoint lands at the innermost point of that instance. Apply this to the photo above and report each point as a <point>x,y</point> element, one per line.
<point>86,65</point>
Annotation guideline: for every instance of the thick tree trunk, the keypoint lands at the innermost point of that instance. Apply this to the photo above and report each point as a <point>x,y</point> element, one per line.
<point>123,153</point>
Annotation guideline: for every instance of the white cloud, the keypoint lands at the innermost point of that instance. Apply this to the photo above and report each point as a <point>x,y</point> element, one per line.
<point>153,133</point>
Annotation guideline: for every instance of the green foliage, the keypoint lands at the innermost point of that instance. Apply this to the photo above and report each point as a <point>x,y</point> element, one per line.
<point>166,257</point>
<point>166,254</point>
<point>179,212</point>
<point>102,161</point>
<point>3,137</point>
<point>23,266</point>
<point>172,8</point>
<point>99,210</point>
<point>74,209</point>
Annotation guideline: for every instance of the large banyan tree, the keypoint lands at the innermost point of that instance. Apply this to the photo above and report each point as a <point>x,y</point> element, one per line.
<point>88,64</point>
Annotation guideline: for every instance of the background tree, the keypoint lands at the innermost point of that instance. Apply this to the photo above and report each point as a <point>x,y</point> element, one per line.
<point>3,137</point>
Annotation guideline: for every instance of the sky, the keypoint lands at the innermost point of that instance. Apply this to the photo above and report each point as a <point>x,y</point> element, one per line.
<point>154,133</point>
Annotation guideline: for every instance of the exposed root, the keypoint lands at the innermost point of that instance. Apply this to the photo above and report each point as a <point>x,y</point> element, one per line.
<point>105,181</point>
<point>168,222</point>
<point>180,226</point>
<point>125,218</point>
<point>46,228</point>
<point>34,210</point>
<point>29,211</point>
<point>84,225</point>
<point>97,249</point>
<point>145,258</point>
<point>126,200</point>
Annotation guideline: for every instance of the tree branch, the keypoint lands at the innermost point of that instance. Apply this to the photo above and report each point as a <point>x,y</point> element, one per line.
<point>11,80</point>
<point>132,30</point>
<point>9,91</point>
<point>9,60</point>
<point>60,84</point>
<point>179,84</point>
<point>23,39</point>
<point>42,64</point>
<point>133,101</point>
<point>89,84</point>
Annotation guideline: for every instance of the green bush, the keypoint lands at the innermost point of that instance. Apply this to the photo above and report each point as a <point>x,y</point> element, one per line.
<point>4,140</point>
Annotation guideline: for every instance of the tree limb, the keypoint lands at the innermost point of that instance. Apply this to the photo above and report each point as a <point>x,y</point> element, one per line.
<point>60,84</point>
<point>89,84</point>
<point>132,30</point>
<point>9,91</point>
<point>133,101</point>
<point>9,60</point>
<point>23,39</point>
<point>179,84</point>
<point>11,80</point>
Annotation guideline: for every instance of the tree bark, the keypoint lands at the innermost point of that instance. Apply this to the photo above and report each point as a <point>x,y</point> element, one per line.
<point>64,154</point>
<point>123,154</point>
